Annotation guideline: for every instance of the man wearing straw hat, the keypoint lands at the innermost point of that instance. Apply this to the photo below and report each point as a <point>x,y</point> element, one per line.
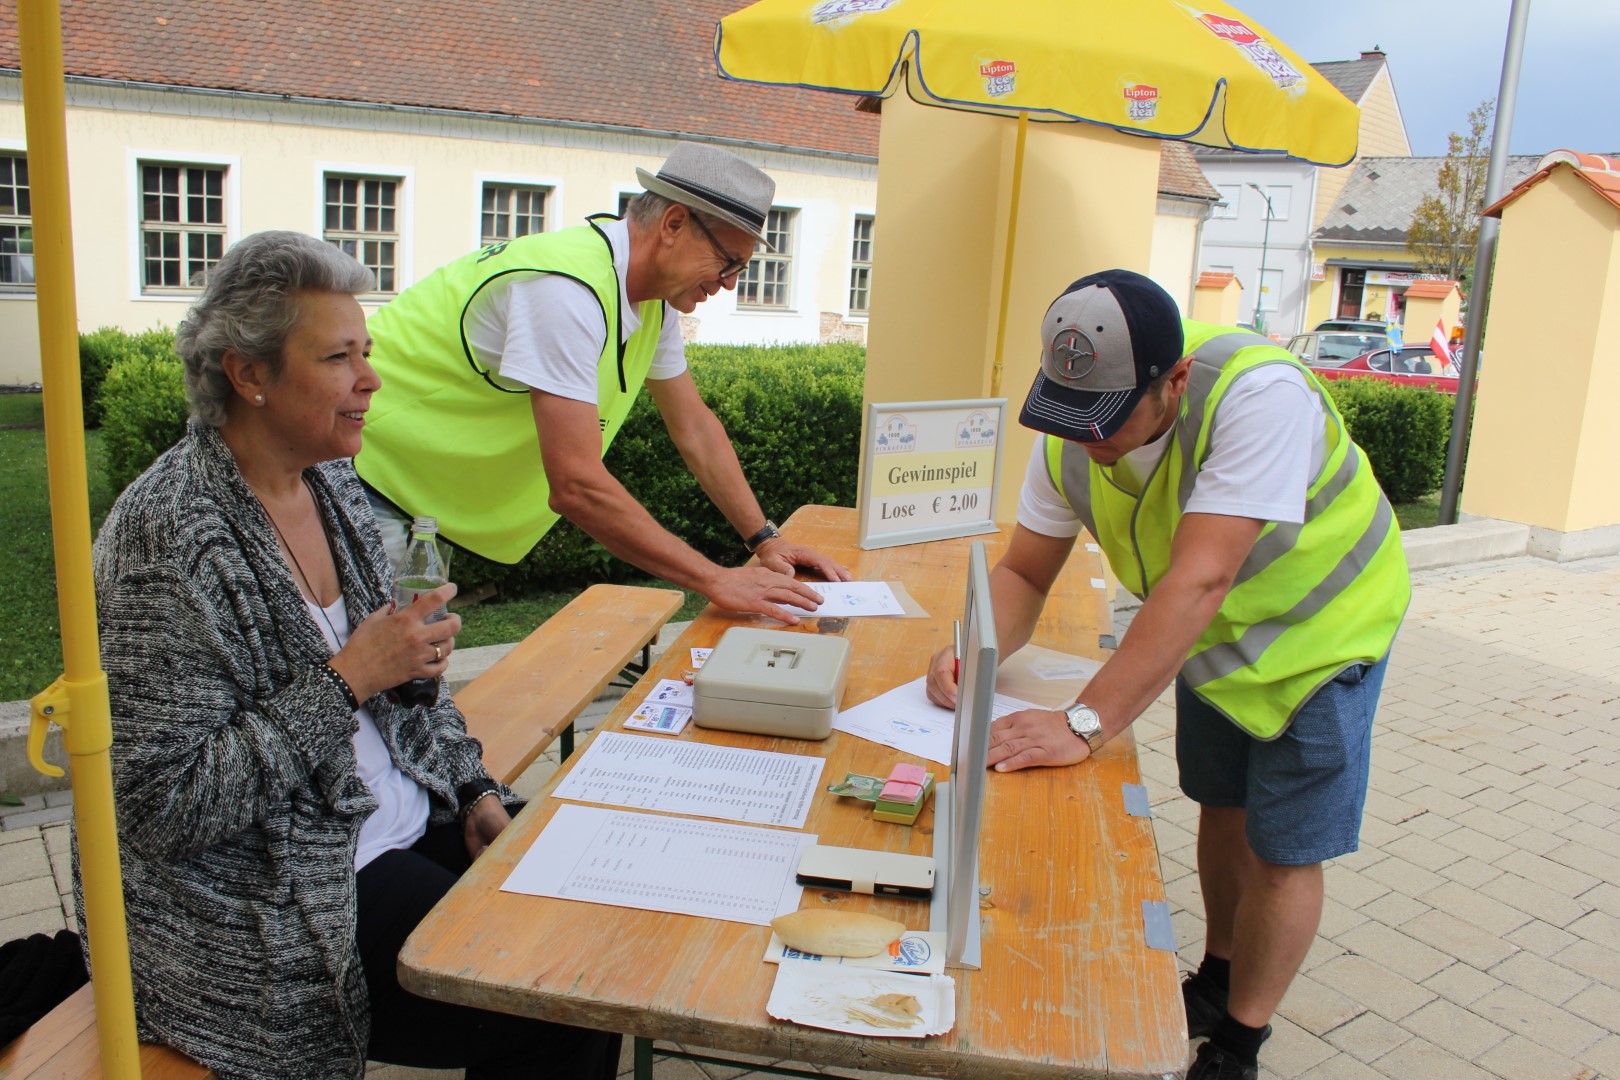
<point>506,374</point>
<point>1219,479</point>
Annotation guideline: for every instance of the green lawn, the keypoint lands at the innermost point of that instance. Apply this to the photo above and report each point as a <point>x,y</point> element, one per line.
<point>31,642</point>
<point>30,638</point>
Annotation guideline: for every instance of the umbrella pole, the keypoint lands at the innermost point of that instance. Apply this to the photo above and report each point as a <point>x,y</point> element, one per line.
<point>78,700</point>
<point>1007,265</point>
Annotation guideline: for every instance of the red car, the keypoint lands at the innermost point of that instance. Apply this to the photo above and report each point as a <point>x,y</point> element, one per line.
<point>1414,365</point>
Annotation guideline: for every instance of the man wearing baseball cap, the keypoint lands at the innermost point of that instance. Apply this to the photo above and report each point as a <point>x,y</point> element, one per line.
<point>507,373</point>
<point>1219,479</point>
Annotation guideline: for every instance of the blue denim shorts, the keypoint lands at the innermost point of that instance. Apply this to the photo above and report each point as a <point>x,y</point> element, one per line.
<point>1304,790</point>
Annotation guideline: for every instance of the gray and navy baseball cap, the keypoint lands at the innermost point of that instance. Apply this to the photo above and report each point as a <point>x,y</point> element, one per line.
<point>1103,341</point>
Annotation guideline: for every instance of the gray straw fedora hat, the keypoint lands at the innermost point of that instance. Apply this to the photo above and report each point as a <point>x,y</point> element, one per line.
<point>718,183</point>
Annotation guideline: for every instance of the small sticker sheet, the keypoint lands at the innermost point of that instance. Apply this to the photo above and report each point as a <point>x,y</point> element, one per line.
<point>700,657</point>
<point>671,692</point>
<point>659,719</point>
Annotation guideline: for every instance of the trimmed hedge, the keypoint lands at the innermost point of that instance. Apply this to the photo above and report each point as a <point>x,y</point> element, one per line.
<point>1403,429</point>
<point>793,413</point>
<point>794,416</point>
<point>144,413</point>
<point>100,350</point>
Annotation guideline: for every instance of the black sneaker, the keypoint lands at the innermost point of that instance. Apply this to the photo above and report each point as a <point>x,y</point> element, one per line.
<point>1217,1063</point>
<point>1205,1004</point>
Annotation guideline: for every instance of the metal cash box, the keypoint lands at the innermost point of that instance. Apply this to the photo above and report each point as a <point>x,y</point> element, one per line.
<point>772,682</point>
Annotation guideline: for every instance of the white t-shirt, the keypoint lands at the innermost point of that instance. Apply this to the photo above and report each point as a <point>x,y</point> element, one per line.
<point>546,331</point>
<point>1268,443</point>
<point>401,817</point>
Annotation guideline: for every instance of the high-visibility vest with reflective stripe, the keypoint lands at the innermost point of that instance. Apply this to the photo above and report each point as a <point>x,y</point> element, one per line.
<point>444,437</point>
<point>1310,599</point>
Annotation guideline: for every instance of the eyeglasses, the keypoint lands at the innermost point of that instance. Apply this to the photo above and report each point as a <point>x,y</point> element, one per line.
<point>733,265</point>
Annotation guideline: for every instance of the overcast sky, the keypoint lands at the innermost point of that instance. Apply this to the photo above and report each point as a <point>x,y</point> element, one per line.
<point>1446,57</point>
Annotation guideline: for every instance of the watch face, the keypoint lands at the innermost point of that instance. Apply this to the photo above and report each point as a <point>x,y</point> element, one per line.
<point>1084,721</point>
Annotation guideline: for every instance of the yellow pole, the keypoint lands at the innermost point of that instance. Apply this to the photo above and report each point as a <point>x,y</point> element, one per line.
<point>1007,266</point>
<point>78,700</point>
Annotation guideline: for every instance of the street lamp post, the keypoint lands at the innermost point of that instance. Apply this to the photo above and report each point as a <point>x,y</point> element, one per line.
<point>1265,244</point>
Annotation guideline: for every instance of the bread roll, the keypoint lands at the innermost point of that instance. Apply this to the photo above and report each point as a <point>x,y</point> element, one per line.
<point>828,932</point>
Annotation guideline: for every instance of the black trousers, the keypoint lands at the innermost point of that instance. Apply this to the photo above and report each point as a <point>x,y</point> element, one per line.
<point>395,891</point>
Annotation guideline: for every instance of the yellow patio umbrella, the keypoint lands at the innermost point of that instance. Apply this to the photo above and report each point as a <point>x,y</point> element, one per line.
<point>78,700</point>
<point>1199,72</point>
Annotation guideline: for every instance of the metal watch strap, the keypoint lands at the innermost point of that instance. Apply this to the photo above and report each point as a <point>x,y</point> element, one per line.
<point>768,531</point>
<point>1091,732</point>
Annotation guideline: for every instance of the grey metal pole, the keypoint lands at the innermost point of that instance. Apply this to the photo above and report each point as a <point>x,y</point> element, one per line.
<point>1484,260</point>
<point>1265,245</point>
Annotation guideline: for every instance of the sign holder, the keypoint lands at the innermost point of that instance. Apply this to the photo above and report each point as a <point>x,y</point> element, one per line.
<point>931,470</point>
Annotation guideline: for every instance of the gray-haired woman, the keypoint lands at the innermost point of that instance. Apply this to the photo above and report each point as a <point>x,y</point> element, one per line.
<point>283,824</point>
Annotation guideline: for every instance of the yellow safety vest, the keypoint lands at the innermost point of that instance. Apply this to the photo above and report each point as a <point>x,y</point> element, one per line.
<point>1310,599</point>
<point>443,437</point>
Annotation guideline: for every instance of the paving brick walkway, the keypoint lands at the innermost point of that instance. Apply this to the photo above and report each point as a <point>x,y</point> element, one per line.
<point>1476,934</point>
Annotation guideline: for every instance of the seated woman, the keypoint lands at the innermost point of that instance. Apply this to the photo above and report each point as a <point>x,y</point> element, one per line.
<point>284,825</point>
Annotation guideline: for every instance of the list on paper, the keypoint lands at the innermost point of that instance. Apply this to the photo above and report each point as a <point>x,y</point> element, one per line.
<point>905,719</point>
<point>648,773</point>
<point>849,599</point>
<point>734,872</point>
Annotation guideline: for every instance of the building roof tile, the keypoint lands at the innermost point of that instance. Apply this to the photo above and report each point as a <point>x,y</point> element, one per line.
<point>1382,193</point>
<point>1180,175</point>
<point>639,64</point>
<point>1601,173</point>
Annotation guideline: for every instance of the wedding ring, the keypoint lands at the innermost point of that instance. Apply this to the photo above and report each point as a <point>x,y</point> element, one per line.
<point>438,654</point>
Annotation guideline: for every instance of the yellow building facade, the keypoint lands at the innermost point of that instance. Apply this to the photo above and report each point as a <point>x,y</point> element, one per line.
<point>408,189</point>
<point>1544,441</point>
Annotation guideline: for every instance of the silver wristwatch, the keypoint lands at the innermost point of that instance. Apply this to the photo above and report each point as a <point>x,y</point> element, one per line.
<point>1085,723</point>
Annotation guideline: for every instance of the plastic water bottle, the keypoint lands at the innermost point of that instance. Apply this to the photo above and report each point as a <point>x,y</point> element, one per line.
<point>420,570</point>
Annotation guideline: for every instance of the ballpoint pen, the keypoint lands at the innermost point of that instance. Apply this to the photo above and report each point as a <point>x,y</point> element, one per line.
<point>956,653</point>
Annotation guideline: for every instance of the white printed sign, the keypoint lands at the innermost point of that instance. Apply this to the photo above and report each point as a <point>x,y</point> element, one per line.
<point>930,471</point>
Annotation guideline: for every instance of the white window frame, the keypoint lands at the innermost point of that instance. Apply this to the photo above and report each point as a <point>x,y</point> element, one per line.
<point>133,159</point>
<point>1227,209</point>
<point>787,259</point>
<point>17,148</point>
<point>855,218</point>
<point>405,215</point>
<point>553,186</point>
<point>1280,208</point>
<point>1270,294</point>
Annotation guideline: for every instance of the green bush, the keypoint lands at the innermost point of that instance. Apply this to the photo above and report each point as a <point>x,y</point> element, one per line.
<point>101,349</point>
<point>1403,429</point>
<point>794,415</point>
<point>144,413</point>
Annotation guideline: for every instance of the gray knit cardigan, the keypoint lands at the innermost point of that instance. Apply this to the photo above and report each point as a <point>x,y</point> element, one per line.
<point>239,808</point>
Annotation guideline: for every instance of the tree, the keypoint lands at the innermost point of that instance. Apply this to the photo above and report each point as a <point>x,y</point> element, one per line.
<point>1445,226</point>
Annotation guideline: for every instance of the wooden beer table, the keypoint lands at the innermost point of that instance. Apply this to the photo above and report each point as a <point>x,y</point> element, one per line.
<point>1069,986</point>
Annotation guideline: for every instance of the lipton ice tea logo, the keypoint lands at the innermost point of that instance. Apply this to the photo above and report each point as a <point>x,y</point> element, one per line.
<point>1230,29</point>
<point>1141,101</point>
<point>998,77</point>
<point>1256,48</point>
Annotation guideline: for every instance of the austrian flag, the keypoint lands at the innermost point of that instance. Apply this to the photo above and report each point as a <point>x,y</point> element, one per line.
<point>1438,344</point>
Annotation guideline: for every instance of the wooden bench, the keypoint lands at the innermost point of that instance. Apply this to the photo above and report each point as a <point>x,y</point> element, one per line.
<point>526,700</point>
<point>531,696</point>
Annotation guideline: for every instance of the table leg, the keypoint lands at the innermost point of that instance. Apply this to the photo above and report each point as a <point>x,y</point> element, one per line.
<point>643,1058</point>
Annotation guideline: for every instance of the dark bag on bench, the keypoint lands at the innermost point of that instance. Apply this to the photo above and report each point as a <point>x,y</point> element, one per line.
<point>37,974</point>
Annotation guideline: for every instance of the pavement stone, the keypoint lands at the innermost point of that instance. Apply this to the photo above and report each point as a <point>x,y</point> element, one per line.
<point>1476,933</point>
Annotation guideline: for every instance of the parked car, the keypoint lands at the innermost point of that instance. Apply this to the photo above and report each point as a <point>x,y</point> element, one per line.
<point>1365,326</point>
<point>1414,365</point>
<point>1333,349</point>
